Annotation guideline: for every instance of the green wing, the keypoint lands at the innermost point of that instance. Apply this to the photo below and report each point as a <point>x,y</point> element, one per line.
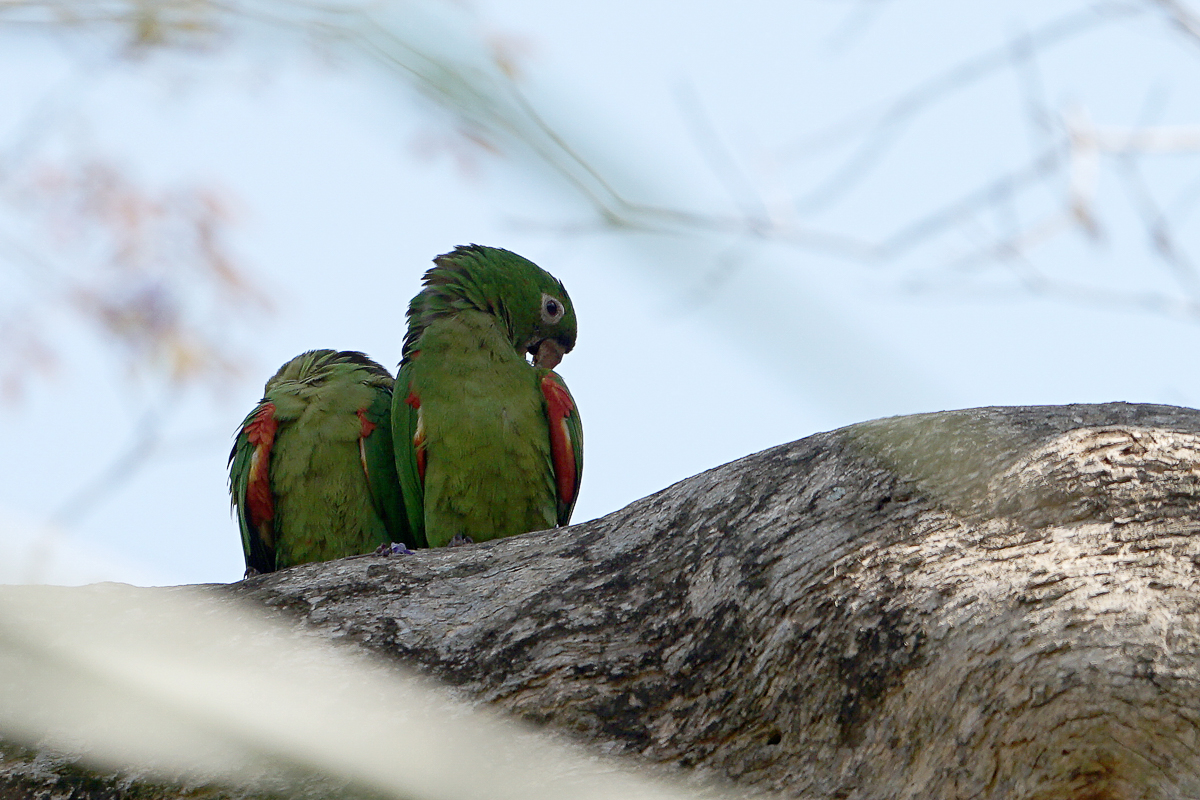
<point>566,442</point>
<point>257,530</point>
<point>575,426</point>
<point>379,461</point>
<point>408,441</point>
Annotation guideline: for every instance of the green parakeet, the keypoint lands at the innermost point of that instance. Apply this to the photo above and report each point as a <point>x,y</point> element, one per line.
<point>487,443</point>
<point>312,472</point>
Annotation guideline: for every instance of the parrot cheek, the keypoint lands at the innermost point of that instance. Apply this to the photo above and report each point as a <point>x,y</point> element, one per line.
<point>549,354</point>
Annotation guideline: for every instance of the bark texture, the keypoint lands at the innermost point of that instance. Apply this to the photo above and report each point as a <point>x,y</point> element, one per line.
<point>993,603</point>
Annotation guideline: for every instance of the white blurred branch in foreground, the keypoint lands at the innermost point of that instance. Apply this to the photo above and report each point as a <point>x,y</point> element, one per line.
<point>180,684</point>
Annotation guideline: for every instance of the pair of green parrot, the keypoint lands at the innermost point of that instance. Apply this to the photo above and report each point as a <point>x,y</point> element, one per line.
<point>470,442</point>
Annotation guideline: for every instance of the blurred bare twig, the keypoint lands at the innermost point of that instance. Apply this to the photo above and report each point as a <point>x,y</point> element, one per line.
<point>1182,16</point>
<point>877,130</point>
<point>478,85</point>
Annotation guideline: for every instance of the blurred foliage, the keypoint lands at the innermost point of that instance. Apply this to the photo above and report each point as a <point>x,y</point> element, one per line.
<point>147,270</point>
<point>997,230</point>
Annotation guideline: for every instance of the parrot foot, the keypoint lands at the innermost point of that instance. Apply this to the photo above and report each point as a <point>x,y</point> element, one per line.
<point>459,540</point>
<point>393,549</point>
<point>250,573</point>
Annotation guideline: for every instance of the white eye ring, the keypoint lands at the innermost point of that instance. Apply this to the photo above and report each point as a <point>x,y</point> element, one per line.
<point>552,309</point>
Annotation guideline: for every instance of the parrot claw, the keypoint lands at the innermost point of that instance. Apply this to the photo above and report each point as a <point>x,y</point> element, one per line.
<point>393,549</point>
<point>459,540</point>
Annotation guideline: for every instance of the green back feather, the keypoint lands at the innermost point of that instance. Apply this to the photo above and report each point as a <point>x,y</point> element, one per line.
<point>326,506</point>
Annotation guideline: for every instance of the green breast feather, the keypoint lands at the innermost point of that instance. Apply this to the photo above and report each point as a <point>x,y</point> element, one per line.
<point>487,443</point>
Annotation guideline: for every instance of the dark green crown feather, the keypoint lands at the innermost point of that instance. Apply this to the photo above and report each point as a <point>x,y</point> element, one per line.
<point>498,282</point>
<point>316,366</point>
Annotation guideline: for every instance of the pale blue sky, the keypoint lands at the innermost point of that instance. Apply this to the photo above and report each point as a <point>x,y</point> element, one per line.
<point>696,347</point>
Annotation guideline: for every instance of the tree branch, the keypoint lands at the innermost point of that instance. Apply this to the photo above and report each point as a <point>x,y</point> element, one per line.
<point>987,603</point>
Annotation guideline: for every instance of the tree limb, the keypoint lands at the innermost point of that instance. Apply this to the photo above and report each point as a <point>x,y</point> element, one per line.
<point>990,603</point>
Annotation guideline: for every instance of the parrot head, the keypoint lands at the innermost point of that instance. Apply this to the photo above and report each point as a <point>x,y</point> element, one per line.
<point>530,304</point>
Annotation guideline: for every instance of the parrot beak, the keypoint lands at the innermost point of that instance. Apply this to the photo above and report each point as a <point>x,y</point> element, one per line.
<point>549,353</point>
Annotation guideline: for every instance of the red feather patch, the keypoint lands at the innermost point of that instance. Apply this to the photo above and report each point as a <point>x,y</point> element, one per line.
<point>260,432</point>
<point>559,406</point>
<point>367,426</point>
<point>364,431</point>
<point>419,437</point>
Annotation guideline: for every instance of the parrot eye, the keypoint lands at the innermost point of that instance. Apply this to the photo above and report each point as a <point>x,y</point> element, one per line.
<point>552,309</point>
